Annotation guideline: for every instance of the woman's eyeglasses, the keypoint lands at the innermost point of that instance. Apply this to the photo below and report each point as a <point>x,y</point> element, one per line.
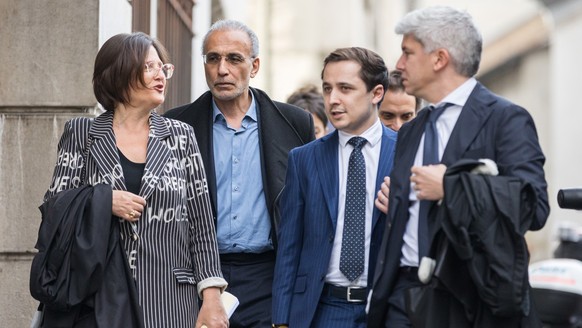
<point>167,69</point>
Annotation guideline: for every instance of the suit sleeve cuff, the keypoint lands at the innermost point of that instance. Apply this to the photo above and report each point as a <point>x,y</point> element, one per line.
<point>211,282</point>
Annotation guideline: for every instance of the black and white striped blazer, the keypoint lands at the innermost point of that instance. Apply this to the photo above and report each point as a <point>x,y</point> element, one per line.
<point>172,248</point>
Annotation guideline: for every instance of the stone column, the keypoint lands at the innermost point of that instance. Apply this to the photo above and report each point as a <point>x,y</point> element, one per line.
<point>47,49</point>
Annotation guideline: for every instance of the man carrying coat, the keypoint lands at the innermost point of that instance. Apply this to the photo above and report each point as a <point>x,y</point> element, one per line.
<point>441,51</point>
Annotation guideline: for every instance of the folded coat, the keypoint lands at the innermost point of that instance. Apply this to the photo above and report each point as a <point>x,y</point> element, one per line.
<point>481,277</point>
<point>80,273</point>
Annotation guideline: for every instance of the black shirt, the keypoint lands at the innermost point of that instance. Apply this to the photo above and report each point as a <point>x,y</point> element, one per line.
<point>132,172</point>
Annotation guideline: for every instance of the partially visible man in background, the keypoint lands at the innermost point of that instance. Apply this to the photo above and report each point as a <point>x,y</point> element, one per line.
<point>398,107</point>
<point>244,138</point>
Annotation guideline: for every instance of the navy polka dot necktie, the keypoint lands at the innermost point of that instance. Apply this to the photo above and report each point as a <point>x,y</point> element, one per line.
<point>352,252</point>
<point>430,156</point>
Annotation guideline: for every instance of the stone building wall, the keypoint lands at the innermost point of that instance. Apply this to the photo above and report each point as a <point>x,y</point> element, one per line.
<point>47,49</point>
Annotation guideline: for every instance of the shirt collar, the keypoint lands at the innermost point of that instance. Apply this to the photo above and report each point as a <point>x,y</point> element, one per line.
<point>251,112</point>
<point>460,95</point>
<point>373,135</point>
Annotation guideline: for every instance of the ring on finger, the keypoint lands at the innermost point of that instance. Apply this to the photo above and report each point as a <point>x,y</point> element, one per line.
<point>131,214</point>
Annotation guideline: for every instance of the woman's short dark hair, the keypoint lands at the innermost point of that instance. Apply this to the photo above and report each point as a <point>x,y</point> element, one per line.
<point>119,67</point>
<point>310,99</point>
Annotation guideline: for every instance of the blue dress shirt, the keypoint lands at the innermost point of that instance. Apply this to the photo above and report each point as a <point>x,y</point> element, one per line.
<point>243,219</point>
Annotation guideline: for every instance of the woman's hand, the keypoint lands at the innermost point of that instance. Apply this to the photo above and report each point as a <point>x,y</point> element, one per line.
<point>127,206</point>
<point>212,313</point>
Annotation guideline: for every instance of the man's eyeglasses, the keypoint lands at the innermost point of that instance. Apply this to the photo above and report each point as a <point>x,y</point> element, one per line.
<point>153,67</point>
<point>214,59</point>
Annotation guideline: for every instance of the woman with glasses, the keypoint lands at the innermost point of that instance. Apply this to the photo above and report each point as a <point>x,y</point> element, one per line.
<point>159,191</point>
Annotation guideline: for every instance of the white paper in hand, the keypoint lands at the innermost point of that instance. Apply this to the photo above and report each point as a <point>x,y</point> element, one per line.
<point>230,303</point>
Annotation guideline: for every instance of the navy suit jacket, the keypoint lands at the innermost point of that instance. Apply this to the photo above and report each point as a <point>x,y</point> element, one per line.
<point>488,127</point>
<point>309,209</point>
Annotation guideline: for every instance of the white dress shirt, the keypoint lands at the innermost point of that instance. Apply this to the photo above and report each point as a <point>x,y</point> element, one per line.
<point>371,152</point>
<point>444,124</point>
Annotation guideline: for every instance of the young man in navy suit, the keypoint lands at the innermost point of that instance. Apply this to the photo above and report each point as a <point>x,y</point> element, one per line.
<point>330,231</point>
<point>441,51</point>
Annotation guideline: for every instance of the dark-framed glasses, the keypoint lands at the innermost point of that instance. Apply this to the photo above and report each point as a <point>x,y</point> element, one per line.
<point>153,67</point>
<point>214,58</point>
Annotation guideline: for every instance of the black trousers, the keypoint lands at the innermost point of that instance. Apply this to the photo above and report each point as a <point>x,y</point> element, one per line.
<point>397,316</point>
<point>250,279</point>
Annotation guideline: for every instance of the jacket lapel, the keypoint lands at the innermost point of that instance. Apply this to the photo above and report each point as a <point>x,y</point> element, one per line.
<point>199,115</point>
<point>274,132</point>
<point>472,118</point>
<point>104,151</point>
<point>158,155</point>
<point>408,138</point>
<point>387,148</point>
<point>326,164</point>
